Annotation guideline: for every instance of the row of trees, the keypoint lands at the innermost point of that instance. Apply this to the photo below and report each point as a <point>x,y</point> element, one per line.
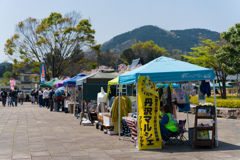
<point>68,38</point>
<point>223,56</point>
<point>71,41</point>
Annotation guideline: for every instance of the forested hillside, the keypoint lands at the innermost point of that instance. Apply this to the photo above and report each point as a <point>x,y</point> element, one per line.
<point>175,41</point>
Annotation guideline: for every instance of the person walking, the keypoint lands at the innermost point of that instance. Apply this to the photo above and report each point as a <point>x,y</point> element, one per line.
<point>36,96</point>
<point>46,97</point>
<point>33,96</point>
<point>51,99</point>
<point>40,98</point>
<point>21,97</point>
<point>14,97</point>
<point>19,92</point>
<point>9,101</point>
<point>4,97</point>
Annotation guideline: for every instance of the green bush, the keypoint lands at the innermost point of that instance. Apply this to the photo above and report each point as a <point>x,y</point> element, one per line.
<point>220,102</point>
<point>228,96</point>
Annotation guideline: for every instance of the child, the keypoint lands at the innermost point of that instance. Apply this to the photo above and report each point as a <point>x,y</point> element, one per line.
<point>9,100</point>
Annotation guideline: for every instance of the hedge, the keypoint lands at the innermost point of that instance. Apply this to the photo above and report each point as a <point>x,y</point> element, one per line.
<point>228,96</point>
<point>220,102</point>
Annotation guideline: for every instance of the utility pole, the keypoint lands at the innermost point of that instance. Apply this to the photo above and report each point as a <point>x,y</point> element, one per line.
<point>53,65</point>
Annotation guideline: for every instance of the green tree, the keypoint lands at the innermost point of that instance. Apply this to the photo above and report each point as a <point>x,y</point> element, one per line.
<point>92,65</point>
<point>205,56</point>
<point>229,55</point>
<point>36,41</point>
<point>8,75</point>
<point>106,58</point>
<point>4,82</point>
<point>128,55</point>
<point>148,51</point>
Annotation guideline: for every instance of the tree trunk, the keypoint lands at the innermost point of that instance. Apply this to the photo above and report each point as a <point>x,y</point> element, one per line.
<point>220,87</point>
<point>224,88</point>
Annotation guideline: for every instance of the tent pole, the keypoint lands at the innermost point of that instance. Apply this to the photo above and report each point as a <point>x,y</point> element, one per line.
<point>215,103</point>
<point>119,110</point>
<point>75,97</point>
<point>189,102</point>
<point>137,113</point>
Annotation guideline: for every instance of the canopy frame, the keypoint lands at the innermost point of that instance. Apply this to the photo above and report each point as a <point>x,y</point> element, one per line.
<point>208,75</point>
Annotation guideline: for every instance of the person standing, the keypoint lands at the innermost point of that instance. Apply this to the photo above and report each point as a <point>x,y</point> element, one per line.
<point>18,94</point>
<point>40,98</point>
<point>4,97</point>
<point>9,101</point>
<point>14,96</point>
<point>46,97</point>
<point>51,99</point>
<point>33,96</point>
<point>36,96</point>
<point>21,97</point>
<point>59,99</point>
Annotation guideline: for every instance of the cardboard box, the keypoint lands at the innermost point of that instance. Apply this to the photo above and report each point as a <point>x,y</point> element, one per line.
<point>111,133</point>
<point>107,121</point>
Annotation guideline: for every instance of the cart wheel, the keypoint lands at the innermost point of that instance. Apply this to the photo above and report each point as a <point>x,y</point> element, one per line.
<point>101,128</point>
<point>97,125</point>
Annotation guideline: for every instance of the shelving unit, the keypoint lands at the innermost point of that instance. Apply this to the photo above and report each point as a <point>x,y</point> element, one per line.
<point>204,142</point>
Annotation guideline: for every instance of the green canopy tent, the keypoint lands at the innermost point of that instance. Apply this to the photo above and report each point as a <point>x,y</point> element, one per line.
<point>113,82</point>
<point>50,83</point>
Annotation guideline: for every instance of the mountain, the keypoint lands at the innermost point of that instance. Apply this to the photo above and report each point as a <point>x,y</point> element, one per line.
<point>4,63</point>
<point>181,40</point>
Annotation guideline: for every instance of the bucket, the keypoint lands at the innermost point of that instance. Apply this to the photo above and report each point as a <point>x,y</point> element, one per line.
<point>66,110</point>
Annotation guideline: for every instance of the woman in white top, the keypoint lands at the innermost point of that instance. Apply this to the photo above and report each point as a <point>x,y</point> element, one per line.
<point>40,98</point>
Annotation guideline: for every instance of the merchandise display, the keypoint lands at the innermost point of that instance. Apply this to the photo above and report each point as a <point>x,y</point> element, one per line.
<point>164,69</point>
<point>152,85</point>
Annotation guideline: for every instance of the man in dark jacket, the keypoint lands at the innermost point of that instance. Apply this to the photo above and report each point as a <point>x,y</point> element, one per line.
<point>51,99</point>
<point>4,97</point>
<point>14,97</point>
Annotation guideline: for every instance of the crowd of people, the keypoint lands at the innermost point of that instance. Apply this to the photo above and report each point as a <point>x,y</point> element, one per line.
<point>43,98</point>
<point>47,98</point>
<point>12,98</point>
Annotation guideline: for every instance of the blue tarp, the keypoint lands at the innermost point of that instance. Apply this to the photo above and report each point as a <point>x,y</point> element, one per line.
<point>165,69</point>
<point>72,81</point>
<point>167,85</point>
<point>217,85</point>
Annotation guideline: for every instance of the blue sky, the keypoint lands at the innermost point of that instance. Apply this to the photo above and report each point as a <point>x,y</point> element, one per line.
<point>111,17</point>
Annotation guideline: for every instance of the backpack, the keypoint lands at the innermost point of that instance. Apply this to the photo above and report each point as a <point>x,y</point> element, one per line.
<point>14,94</point>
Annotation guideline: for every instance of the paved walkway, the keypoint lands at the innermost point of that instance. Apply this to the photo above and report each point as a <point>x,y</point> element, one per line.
<point>29,132</point>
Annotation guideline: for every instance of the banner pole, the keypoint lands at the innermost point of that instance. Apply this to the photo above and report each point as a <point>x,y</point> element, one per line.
<point>119,110</point>
<point>215,103</point>
<point>137,113</point>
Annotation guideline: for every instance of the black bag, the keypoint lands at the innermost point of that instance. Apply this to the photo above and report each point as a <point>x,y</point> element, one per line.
<point>14,94</point>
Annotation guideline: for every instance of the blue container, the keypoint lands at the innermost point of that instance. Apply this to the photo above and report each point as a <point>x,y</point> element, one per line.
<point>186,108</point>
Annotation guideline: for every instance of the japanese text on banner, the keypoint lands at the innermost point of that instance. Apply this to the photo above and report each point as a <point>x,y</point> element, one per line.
<point>148,117</point>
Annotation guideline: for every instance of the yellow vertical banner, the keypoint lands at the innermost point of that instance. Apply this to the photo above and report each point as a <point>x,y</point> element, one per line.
<point>149,136</point>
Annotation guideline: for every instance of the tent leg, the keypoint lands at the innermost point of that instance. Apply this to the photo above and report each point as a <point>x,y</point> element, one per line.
<point>119,110</point>
<point>82,108</point>
<point>74,102</point>
<point>187,121</point>
<point>215,103</point>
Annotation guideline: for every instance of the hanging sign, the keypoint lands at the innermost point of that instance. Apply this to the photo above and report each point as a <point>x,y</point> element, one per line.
<point>12,83</point>
<point>42,73</point>
<point>149,136</point>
